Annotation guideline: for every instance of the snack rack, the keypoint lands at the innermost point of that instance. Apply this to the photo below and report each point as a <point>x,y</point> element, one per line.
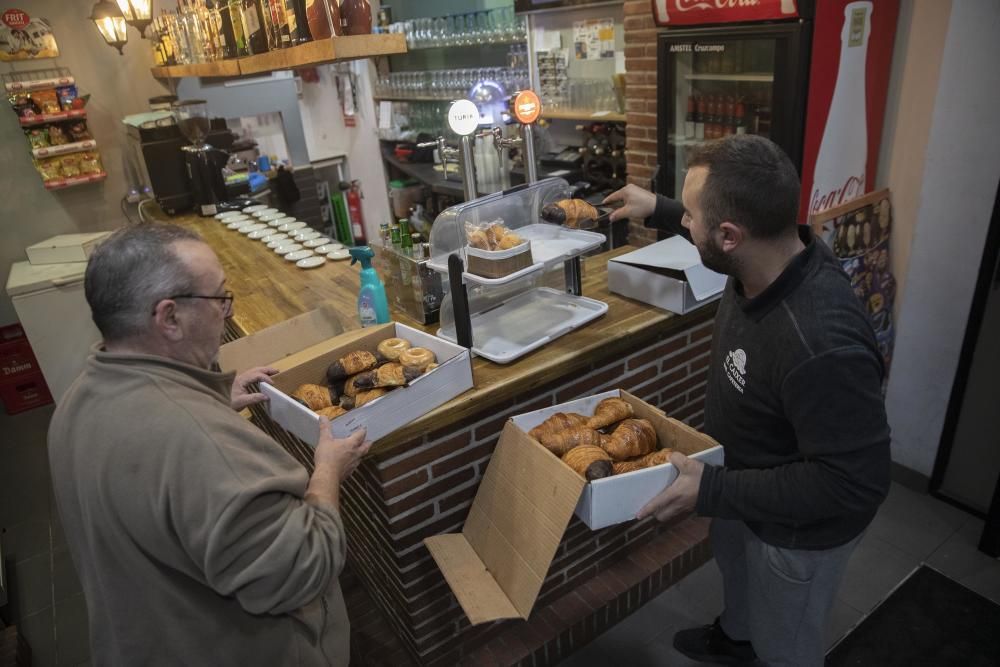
<point>506,317</point>
<point>63,150</point>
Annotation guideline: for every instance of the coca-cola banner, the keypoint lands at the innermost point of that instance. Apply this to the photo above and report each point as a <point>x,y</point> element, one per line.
<point>848,81</point>
<point>696,12</point>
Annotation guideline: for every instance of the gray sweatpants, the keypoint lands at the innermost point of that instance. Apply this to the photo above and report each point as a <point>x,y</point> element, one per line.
<point>777,598</point>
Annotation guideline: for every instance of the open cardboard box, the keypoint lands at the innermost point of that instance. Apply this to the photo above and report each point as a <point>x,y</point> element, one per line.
<point>497,564</point>
<point>303,347</point>
<point>668,274</point>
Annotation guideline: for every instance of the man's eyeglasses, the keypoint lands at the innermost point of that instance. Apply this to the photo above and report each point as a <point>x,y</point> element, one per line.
<point>226,299</point>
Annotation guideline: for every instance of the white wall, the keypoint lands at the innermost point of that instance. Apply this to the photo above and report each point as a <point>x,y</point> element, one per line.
<point>119,85</point>
<point>962,168</point>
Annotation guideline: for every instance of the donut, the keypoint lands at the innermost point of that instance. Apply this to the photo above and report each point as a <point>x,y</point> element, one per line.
<point>417,358</point>
<point>390,348</point>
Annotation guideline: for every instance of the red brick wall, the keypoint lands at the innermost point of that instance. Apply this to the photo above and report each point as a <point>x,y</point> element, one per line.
<point>427,486</point>
<point>640,103</point>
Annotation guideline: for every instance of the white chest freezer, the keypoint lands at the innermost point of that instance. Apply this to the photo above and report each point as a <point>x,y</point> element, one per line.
<point>51,306</point>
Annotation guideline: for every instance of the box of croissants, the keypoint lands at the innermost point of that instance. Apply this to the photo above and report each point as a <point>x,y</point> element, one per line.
<point>621,445</point>
<point>601,457</point>
<point>381,377</point>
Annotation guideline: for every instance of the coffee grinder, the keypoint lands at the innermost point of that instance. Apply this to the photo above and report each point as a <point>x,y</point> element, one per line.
<point>204,162</point>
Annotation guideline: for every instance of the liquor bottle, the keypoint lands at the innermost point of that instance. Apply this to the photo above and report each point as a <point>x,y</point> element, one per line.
<point>279,25</point>
<point>699,118</point>
<point>235,10</point>
<point>298,21</point>
<point>689,119</point>
<point>224,27</point>
<point>841,163</point>
<point>256,28</point>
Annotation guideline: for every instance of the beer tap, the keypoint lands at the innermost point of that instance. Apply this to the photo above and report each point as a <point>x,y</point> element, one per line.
<point>446,153</point>
<point>463,119</point>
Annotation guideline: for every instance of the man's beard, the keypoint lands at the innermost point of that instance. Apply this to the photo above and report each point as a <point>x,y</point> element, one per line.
<point>714,258</point>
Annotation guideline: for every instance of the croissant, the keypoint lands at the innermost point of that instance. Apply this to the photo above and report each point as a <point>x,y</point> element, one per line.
<point>346,387</point>
<point>632,438</point>
<point>478,239</point>
<point>332,412</point>
<point>609,411</point>
<point>510,240</point>
<point>362,397</point>
<point>351,363</point>
<point>588,461</point>
<point>659,457</point>
<point>391,374</point>
<point>314,396</point>
<point>495,234</point>
<point>569,212</point>
<point>560,421</point>
<point>560,442</point>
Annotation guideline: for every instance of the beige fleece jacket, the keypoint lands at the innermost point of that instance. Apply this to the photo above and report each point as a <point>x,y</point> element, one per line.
<point>187,524</point>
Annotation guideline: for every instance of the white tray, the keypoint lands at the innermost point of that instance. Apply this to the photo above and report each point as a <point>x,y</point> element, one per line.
<point>526,322</point>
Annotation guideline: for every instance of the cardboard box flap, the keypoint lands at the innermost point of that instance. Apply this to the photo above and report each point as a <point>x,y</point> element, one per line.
<point>677,254</point>
<point>517,520</point>
<point>281,340</point>
<point>83,240</point>
<point>477,591</point>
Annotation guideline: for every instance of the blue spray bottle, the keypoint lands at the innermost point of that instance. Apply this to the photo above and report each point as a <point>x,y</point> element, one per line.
<point>373,307</point>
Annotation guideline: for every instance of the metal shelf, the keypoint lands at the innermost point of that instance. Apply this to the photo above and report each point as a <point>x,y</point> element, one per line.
<point>762,78</point>
<point>43,118</point>
<point>65,149</point>
<point>582,114</point>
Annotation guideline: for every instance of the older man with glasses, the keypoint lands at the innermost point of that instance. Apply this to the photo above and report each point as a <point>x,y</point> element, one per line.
<point>197,539</point>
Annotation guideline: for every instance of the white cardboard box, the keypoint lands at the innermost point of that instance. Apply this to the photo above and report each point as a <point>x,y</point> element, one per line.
<point>384,415</point>
<point>496,566</point>
<point>64,248</point>
<point>616,499</point>
<point>668,274</point>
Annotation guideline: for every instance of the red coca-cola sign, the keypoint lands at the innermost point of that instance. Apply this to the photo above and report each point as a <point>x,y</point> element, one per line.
<point>694,12</point>
<point>15,19</point>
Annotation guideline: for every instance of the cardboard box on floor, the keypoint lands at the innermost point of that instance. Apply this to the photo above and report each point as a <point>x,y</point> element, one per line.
<point>668,274</point>
<point>303,347</point>
<point>497,564</point>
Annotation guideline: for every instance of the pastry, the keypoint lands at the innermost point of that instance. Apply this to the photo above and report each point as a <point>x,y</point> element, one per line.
<point>560,421</point>
<point>632,438</point>
<point>362,397</point>
<point>391,374</point>
<point>332,412</point>
<point>315,396</point>
<point>588,461</point>
<point>609,411</point>
<point>560,442</point>
<point>390,348</point>
<point>347,387</point>
<point>510,240</point>
<point>417,359</point>
<point>659,457</point>
<point>478,239</point>
<point>569,212</point>
<point>350,364</point>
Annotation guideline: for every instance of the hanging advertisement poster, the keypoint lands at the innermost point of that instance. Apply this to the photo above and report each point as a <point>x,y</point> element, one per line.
<point>594,39</point>
<point>24,37</point>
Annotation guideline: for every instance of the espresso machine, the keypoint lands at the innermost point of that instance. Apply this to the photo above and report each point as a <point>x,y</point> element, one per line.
<point>203,161</point>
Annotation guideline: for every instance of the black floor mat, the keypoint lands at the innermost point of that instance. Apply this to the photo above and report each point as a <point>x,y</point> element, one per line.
<point>928,620</point>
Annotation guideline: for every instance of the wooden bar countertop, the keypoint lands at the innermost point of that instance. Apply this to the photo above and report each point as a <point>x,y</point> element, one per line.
<point>269,290</point>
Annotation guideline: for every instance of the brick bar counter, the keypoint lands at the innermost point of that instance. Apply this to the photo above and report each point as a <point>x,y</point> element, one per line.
<point>420,480</point>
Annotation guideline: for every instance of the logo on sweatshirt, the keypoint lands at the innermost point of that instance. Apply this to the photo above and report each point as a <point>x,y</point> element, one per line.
<point>736,369</point>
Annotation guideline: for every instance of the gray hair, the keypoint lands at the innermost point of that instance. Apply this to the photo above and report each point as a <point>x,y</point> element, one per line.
<point>130,272</point>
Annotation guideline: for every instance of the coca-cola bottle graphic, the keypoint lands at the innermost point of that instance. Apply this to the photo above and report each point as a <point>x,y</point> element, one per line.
<point>839,175</point>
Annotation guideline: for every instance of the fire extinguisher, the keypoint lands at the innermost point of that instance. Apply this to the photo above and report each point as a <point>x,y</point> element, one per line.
<point>353,197</point>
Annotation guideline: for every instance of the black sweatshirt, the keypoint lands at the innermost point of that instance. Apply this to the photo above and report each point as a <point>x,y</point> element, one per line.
<point>794,396</point>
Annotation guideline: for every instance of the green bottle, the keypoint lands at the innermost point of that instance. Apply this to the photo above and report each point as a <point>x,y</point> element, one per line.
<point>341,222</point>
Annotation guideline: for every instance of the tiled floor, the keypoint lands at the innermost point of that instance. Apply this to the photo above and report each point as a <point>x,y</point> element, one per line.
<point>910,528</point>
